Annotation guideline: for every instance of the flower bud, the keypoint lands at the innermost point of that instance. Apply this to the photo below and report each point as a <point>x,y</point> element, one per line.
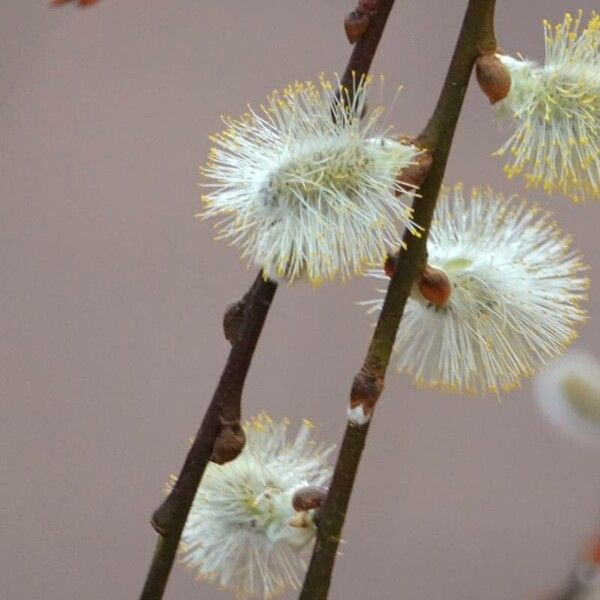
<point>365,392</point>
<point>493,77</point>
<point>356,24</point>
<point>435,286</point>
<point>232,320</point>
<point>229,443</point>
<point>309,497</point>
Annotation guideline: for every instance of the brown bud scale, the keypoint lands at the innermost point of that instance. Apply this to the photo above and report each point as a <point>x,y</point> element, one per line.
<point>493,77</point>
<point>308,498</point>
<point>356,24</point>
<point>366,390</point>
<point>435,286</point>
<point>232,320</point>
<point>229,443</point>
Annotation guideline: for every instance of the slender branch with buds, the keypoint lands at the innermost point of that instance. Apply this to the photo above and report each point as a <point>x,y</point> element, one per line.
<point>476,38</point>
<point>220,437</point>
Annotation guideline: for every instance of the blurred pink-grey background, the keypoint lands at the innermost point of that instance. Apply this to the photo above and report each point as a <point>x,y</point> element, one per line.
<point>113,294</point>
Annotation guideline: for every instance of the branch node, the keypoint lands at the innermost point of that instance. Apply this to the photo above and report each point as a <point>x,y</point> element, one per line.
<point>365,392</point>
<point>434,285</point>
<point>230,442</point>
<point>493,77</point>
<point>309,497</point>
<point>232,320</point>
<point>161,519</point>
<point>355,24</point>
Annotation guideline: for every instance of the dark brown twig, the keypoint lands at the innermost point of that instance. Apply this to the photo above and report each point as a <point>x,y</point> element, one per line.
<point>476,37</point>
<point>251,312</point>
<point>366,45</point>
<point>223,414</point>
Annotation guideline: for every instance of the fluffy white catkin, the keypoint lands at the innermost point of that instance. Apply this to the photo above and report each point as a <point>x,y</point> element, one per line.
<point>516,287</point>
<point>556,111</point>
<point>306,187</point>
<point>238,532</point>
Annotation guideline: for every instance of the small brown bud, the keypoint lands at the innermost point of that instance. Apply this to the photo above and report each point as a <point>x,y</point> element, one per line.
<point>232,320</point>
<point>493,77</point>
<point>229,443</point>
<point>435,286</point>
<point>414,174</point>
<point>356,24</point>
<point>308,498</point>
<point>390,264</point>
<point>365,392</point>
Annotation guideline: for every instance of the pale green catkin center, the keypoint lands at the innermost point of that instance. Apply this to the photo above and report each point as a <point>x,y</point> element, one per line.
<point>458,264</point>
<point>318,174</point>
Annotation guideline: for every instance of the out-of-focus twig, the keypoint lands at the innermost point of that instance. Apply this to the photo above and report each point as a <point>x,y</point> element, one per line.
<point>584,579</point>
<point>82,3</point>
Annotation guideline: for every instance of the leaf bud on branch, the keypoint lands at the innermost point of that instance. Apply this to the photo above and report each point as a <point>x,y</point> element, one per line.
<point>493,77</point>
<point>232,320</point>
<point>365,392</point>
<point>229,443</point>
<point>357,21</point>
<point>434,286</point>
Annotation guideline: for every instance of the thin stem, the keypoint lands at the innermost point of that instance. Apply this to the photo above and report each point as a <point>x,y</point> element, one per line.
<point>476,36</point>
<point>365,49</point>
<point>169,519</point>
